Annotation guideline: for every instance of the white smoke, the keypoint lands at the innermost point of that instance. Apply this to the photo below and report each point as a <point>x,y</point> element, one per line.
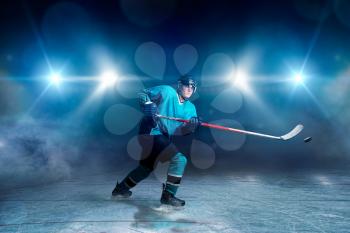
<point>35,151</point>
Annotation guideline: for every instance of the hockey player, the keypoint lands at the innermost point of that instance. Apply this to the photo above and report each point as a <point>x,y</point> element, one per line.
<point>155,137</point>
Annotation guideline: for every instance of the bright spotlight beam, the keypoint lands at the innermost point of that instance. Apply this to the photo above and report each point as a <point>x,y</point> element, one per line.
<point>298,78</point>
<point>108,78</point>
<point>240,80</point>
<point>55,78</point>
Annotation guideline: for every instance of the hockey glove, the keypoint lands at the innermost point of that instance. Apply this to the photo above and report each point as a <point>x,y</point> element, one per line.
<point>194,123</point>
<point>149,109</point>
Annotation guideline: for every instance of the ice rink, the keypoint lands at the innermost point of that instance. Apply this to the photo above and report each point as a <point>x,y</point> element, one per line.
<point>236,202</point>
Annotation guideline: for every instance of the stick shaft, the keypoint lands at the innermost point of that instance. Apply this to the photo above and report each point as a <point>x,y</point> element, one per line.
<point>221,127</point>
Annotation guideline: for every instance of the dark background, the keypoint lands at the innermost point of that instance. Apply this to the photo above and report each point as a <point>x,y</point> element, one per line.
<point>47,134</point>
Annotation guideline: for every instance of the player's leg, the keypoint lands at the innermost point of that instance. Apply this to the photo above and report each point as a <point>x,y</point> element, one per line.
<point>158,144</point>
<point>131,180</point>
<point>175,172</point>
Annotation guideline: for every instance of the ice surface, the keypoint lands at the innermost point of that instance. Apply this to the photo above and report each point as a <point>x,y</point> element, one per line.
<point>237,202</point>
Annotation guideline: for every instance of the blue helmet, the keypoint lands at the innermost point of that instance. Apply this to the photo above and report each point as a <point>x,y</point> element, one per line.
<point>188,80</point>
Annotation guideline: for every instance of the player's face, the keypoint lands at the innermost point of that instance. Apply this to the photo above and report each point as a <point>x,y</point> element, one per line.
<point>187,91</point>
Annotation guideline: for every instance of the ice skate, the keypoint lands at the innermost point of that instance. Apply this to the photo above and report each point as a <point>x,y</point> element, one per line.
<point>120,191</point>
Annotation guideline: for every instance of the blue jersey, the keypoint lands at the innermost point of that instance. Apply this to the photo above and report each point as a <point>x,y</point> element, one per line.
<point>168,104</point>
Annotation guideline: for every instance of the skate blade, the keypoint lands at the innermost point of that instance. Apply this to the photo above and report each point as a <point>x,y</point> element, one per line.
<point>120,197</point>
<point>167,208</point>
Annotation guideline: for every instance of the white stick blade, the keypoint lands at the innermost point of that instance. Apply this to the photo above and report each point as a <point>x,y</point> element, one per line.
<point>294,132</point>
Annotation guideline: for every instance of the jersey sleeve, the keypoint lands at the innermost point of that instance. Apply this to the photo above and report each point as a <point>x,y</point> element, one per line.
<point>153,94</point>
<point>192,112</point>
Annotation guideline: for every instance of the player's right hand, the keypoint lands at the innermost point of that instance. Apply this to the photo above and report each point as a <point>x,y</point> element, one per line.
<point>194,123</point>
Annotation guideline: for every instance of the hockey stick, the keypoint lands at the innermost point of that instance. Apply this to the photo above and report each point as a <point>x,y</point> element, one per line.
<point>294,132</point>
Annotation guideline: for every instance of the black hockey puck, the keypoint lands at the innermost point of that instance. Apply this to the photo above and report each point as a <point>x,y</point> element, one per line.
<point>308,139</point>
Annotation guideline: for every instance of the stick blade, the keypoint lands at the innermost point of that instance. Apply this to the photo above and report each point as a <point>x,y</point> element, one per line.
<point>294,132</point>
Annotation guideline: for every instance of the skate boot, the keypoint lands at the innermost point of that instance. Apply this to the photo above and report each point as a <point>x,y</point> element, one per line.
<point>169,199</point>
<point>121,191</point>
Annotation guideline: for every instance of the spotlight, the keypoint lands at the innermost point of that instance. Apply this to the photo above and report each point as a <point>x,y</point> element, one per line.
<point>55,78</point>
<point>109,78</point>
<point>298,78</point>
<point>239,79</point>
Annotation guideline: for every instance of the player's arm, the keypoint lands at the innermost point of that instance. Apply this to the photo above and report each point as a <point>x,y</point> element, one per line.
<point>148,99</point>
<point>153,94</point>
